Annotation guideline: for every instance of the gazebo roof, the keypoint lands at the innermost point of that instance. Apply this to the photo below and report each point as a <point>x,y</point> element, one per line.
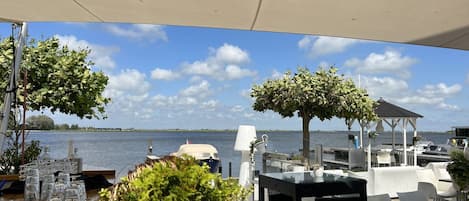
<point>385,110</point>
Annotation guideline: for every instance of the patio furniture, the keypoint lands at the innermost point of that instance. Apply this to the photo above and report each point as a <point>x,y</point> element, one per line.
<point>383,157</point>
<point>412,196</point>
<point>381,197</point>
<point>304,184</point>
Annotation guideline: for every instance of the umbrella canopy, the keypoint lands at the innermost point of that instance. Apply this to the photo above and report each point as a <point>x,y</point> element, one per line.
<point>422,22</point>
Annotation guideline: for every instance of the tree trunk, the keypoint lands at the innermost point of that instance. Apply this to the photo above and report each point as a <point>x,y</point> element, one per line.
<point>306,137</point>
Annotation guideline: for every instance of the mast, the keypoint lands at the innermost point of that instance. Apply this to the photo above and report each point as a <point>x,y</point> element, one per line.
<point>11,90</point>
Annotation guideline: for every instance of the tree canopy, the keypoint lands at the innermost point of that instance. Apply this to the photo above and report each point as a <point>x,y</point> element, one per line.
<point>40,122</point>
<point>322,94</point>
<point>59,78</point>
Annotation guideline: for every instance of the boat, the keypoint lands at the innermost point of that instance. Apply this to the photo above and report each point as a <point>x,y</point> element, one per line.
<point>204,153</point>
<point>458,142</point>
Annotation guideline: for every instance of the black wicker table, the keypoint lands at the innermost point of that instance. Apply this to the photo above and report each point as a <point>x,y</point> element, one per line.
<point>304,184</point>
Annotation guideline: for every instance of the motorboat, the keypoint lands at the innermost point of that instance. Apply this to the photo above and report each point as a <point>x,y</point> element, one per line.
<point>204,153</point>
<point>422,146</point>
<point>453,143</point>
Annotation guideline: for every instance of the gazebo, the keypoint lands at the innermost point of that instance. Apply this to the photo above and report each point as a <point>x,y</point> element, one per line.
<point>393,115</point>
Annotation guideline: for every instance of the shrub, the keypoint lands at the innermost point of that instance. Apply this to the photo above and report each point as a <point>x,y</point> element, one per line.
<point>459,169</point>
<point>175,179</point>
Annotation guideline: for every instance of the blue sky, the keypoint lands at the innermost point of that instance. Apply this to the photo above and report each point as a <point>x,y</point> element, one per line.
<point>192,78</point>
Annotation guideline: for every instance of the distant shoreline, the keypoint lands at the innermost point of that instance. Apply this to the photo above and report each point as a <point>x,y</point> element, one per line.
<point>213,131</point>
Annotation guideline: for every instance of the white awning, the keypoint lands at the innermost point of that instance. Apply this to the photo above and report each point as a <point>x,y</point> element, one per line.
<point>424,22</point>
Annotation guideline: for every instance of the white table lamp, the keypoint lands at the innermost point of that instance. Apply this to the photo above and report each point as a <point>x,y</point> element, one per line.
<point>246,135</point>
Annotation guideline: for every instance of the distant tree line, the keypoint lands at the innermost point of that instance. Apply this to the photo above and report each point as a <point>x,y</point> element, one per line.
<point>43,122</point>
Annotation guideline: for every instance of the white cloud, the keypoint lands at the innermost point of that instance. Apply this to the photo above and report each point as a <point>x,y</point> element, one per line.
<point>201,90</point>
<point>276,74</point>
<point>187,98</point>
<point>163,74</point>
<point>100,55</point>
<point>223,63</point>
<point>383,86</point>
<point>323,45</point>
<point>235,72</point>
<point>237,108</point>
<point>434,95</point>
<point>129,93</point>
<point>210,105</point>
<point>445,106</point>
<point>129,81</point>
<point>147,32</point>
<point>398,91</point>
<point>389,62</point>
<point>230,54</point>
<point>440,90</point>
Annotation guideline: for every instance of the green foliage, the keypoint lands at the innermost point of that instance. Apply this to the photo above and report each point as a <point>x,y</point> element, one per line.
<point>322,94</point>
<point>10,161</point>
<point>40,122</point>
<point>59,79</point>
<point>459,169</point>
<point>175,179</point>
<point>74,126</point>
<point>62,127</point>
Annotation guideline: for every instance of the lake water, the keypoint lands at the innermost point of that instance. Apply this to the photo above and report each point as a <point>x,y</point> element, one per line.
<point>121,151</point>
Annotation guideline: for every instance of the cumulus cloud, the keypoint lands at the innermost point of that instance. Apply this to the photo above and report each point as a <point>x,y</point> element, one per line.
<point>383,86</point>
<point>209,105</point>
<point>129,81</point>
<point>147,32</point>
<point>129,93</point>
<point>440,90</point>
<point>163,74</point>
<point>435,95</point>
<point>390,61</point>
<point>201,90</point>
<point>398,91</point>
<point>100,55</point>
<point>223,63</point>
<point>323,45</point>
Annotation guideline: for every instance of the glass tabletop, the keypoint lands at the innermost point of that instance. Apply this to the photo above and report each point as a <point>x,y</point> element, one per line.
<point>307,177</point>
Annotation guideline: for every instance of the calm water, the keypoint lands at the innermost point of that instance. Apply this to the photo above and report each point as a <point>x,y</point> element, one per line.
<point>122,150</point>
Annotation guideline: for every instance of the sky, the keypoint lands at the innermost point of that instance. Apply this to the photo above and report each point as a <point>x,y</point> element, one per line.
<point>168,77</point>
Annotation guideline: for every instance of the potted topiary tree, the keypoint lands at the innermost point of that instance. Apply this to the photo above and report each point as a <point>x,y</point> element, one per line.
<point>459,171</point>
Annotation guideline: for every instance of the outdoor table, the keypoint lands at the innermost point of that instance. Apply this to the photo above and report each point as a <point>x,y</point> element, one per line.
<point>305,184</point>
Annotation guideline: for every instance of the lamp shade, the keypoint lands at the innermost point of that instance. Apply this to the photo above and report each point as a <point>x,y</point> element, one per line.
<point>246,134</point>
<point>379,126</point>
